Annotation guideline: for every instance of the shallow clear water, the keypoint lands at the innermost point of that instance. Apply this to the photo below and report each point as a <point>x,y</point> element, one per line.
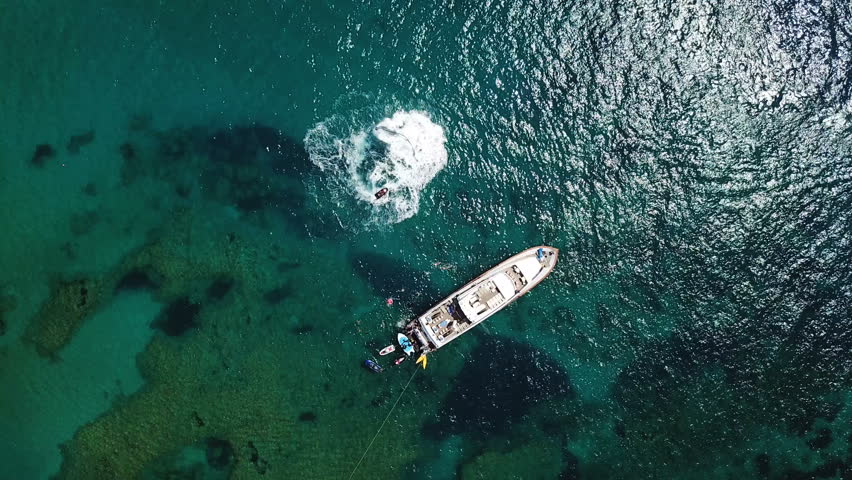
<point>194,265</point>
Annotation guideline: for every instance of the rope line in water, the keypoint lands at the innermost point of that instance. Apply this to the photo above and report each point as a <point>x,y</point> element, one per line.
<point>383,423</point>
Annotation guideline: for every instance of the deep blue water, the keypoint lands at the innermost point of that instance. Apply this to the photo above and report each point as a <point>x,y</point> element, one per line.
<point>195,265</point>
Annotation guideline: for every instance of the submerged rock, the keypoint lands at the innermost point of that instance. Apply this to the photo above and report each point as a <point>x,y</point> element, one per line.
<point>7,304</point>
<point>278,294</point>
<point>128,152</point>
<point>302,329</point>
<point>220,287</point>
<point>763,465</point>
<point>178,317</point>
<point>501,381</point>
<point>43,152</point>
<point>219,453</point>
<point>248,144</point>
<point>83,223</point>
<point>78,141</point>
<point>139,122</point>
<point>90,189</point>
<point>307,417</point>
<point>136,279</point>
<point>260,464</point>
<point>822,439</point>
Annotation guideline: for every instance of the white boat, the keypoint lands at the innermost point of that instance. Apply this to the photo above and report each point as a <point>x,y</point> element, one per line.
<point>484,296</point>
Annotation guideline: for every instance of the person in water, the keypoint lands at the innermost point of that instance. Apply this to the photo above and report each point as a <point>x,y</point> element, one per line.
<point>444,266</point>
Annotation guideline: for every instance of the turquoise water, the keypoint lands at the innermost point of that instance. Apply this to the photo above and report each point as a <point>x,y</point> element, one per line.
<point>194,266</point>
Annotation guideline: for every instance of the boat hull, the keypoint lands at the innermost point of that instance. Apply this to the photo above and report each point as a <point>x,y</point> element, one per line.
<point>481,298</point>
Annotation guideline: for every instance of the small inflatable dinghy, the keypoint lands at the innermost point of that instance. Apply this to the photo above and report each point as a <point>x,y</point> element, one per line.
<point>387,350</point>
<point>405,343</point>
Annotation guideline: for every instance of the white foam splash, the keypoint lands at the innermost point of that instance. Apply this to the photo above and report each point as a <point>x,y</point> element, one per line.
<point>402,153</point>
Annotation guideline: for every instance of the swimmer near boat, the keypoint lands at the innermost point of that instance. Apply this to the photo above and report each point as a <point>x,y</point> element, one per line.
<point>381,193</point>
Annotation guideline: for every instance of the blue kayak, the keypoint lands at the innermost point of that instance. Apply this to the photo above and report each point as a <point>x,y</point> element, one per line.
<point>373,366</point>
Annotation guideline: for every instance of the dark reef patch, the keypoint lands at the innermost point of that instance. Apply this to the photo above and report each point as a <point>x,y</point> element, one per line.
<point>7,304</point>
<point>822,439</point>
<point>832,468</point>
<point>127,151</point>
<point>748,370</point>
<point>136,280</point>
<point>199,422</point>
<point>90,189</point>
<point>619,430</point>
<point>241,145</point>
<point>302,329</point>
<point>220,287</point>
<point>219,453</point>
<point>178,317</point>
<point>183,190</point>
<point>42,154</point>
<point>571,470</point>
<point>307,417</point>
<point>763,465</point>
<point>255,168</point>
<point>177,145</point>
<point>482,402</point>
<point>83,223</point>
<point>253,202</point>
<point>287,266</point>
<point>76,142</point>
<point>261,168</point>
<point>259,463</point>
<point>139,122</point>
<point>278,294</point>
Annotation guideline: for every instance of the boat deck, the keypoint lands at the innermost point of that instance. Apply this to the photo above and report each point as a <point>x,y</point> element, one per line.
<point>445,320</point>
<point>481,298</point>
<point>516,277</point>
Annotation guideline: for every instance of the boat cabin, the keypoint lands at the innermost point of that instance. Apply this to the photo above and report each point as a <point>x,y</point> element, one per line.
<point>480,299</point>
